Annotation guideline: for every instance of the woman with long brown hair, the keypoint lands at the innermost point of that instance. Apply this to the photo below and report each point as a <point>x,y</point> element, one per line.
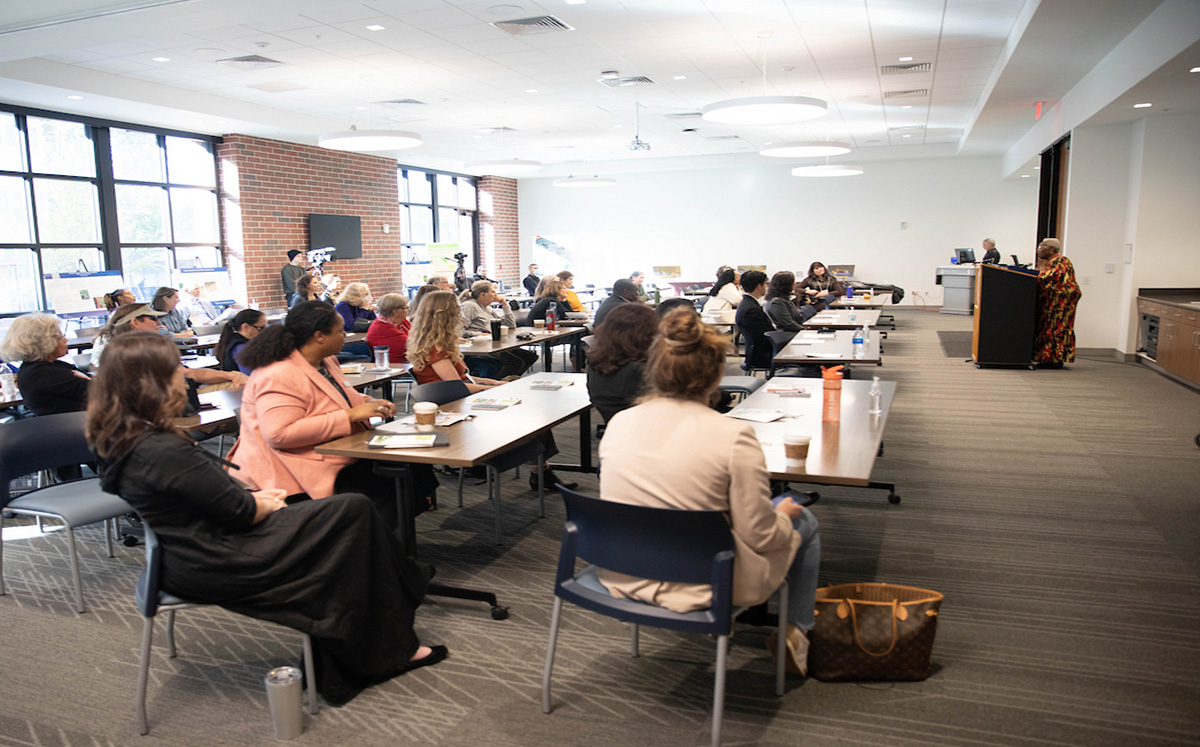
<point>304,566</point>
<point>819,288</point>
<point>616,361</point>
<point>713,463</point>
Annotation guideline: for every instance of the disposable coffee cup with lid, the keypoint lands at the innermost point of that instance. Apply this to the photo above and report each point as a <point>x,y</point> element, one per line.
<point>795,446</point>
<point>425,413</point>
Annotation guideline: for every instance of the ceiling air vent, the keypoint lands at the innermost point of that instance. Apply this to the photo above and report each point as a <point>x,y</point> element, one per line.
<point>908,67</point>
<point>494,130</point>
<point>906,128</point>
<point>400,102</point>
<point>912,94</point>
<point>684,116</point>
<point>535,25</point>
<point>278,86</point>
<point>249,62</point>
<point>634,80</point>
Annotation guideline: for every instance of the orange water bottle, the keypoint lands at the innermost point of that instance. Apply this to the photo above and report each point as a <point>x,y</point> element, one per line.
<point>831,410</point>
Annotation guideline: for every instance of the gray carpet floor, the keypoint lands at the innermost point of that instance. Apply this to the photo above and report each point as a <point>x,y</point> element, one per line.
<point>1057,511</point>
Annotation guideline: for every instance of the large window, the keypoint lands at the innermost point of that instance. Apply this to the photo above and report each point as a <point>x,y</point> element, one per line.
<point>79,195</point>
<point>437,208</point>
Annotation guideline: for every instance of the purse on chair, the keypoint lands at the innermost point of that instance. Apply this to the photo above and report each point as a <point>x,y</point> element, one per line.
<point>873,632</point>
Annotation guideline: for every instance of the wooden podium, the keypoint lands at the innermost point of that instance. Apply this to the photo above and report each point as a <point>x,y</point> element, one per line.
<point>1005,316</point>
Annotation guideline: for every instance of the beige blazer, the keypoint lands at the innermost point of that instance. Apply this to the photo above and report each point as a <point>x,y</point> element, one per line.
<point>669,453</point>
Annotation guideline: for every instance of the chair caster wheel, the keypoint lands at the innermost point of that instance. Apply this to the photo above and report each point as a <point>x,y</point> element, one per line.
<point>129,541</point>
<point>893,498</point>
<point>499,613</point>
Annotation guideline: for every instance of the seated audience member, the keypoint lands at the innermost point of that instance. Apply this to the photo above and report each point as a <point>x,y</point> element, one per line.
<point>327,568</point>
<point>434,355</point>
<point>672,303</point>
<point>166,300</point>
<point>638,278</point>
<point>48,385</point>
<point>991,255</point>
<point>440,282</point>
<point>714,463</point>
<point>725,295</point>
<point>297,399</point>
<point>624,291</point>
<point>753,322</point>
<point>568,280</point>
<point>552,291</point>
<point>781,308</point>
<point>119,297</point>
<point>423,291</point>
<point>308,288</point>
<point>331,284</point>
<point>819,289</point>
<point>236,332</point>
<point>355,307</point>
<point>481,273</point>
<point>139,317</point>
<point>197,309</point>
<point>531,281</point>
<point>390,329</point>
<point>477,316</point>
<point>617,358</point>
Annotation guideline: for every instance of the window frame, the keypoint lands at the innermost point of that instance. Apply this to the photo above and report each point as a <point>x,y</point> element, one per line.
<point>105,183</point>
<point>436,205</point>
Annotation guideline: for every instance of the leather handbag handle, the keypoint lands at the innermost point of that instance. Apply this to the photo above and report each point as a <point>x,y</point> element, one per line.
<point>895,631</point>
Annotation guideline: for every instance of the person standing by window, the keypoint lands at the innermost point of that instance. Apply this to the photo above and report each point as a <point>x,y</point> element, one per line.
<point>292,272</point>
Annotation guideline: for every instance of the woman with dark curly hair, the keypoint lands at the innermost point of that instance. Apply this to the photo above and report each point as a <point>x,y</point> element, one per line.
<point>328,568</point>
<point>616,360</point>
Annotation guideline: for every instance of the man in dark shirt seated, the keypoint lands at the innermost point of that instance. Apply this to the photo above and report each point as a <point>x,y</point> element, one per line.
<point>624,291</point>
<point>753,322</point>
<point>531,281</point>
<point>991,255</point>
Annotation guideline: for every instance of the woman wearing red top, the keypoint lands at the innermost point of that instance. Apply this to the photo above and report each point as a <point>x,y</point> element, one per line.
<point>433,353</point>
<point>391,328</point>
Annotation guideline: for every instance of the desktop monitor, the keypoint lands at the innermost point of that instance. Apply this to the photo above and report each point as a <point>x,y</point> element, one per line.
<point>965,256</point>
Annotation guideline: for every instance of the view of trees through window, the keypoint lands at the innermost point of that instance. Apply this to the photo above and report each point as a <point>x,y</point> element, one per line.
<point>81,196</point>
<point>437,208</point>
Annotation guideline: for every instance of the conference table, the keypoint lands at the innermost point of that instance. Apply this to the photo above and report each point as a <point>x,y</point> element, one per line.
<point>473,442</point>
<point>860,301</point>
<point>843,319</point>
<point>828,348</point>
<point>840,453</point>
<point>485,345</point>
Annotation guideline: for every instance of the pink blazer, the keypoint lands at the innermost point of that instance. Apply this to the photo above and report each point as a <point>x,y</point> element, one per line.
<point>288,409</point>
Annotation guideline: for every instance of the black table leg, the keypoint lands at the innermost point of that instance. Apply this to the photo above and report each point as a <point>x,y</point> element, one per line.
<point>402,475</point>
<point>547,360</point>
<point>585,446</point>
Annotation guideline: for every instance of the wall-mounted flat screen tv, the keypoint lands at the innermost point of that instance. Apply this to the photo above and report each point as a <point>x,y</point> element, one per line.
<point>342,232</point>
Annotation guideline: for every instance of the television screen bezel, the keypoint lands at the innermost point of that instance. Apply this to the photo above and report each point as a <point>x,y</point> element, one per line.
<point>349,230</point>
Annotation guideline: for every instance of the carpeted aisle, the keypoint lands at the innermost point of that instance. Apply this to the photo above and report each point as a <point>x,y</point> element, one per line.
<point>1057,510</point>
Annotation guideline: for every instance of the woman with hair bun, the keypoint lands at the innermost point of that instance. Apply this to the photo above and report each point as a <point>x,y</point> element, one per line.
<point>714,463</point>
<point>298,399</point>
<point>236,333</point>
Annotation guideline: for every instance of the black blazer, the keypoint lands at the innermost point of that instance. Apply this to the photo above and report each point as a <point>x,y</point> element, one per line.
<point>992,257</point>
<point>531,283</point>
<point>754,325</point>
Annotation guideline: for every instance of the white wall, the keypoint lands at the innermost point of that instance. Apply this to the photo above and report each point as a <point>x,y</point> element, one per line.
<point>1098,200</point>
<point>763,215</point>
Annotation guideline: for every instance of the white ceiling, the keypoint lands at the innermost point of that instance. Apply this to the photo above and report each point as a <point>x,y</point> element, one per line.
<point>991,59</point>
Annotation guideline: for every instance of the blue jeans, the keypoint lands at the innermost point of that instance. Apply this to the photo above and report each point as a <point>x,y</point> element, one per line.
<point>802,576</point>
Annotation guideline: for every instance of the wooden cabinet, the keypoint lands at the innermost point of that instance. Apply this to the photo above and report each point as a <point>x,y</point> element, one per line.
<point>1178,338</point>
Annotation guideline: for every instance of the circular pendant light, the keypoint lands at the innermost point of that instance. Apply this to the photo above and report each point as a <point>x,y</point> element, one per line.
<point>504,166</point>
<point>828,169</point>
<point>807,149</point>
<point>585,181</point>
<point>765,110</point>
<point>366,141</point>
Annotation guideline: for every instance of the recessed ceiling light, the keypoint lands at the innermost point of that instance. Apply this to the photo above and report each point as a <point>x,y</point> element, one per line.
<point>828,169</point>
<point>1195,70</point>
<point>576,2</point>
<point>680,77</point>
<point>805,149</point>
<point>616,127</point>
<point>906,106</point>
<point>1037,168</point>
<point>75,98</point>
<point>160,59</point>
<point>906,59</point>
<point>531,90</point>
<point>1143,106</point>
<point>375,27</point>
<point>1024,176</point>
<point>906,136</point>
<point>361,108</point>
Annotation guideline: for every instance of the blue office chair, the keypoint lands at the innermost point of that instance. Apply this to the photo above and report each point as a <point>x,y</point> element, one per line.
<point>443,392</point>
<point>664,544</point>
<point>151,600</point>
<point>46,443</point>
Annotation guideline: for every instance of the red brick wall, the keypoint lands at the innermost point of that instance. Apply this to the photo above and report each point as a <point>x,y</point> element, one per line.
<point>499,245</point>
<point>269,187</point>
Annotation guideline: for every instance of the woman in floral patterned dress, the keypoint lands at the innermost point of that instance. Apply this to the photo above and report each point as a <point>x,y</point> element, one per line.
<point>1058,295</point>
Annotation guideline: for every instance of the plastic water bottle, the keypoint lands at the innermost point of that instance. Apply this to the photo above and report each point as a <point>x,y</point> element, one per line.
<point>858,344</point>
<point>876,406</point>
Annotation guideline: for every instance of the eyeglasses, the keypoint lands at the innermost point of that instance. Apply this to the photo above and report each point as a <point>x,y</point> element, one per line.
<point>259,327</point>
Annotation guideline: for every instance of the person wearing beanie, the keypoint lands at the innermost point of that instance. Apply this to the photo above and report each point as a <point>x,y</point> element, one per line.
<point>292,271</point>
